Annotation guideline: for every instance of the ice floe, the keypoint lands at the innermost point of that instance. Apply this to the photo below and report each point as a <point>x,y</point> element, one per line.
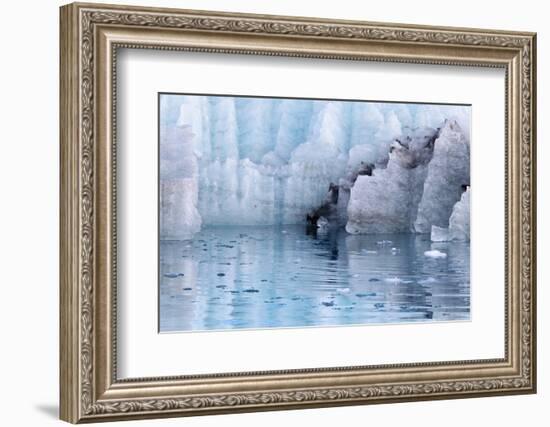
<point>434,253</point>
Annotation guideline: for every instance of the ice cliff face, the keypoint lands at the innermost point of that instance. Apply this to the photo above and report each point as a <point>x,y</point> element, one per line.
<point>459,222</point>
<point>249,161</point>
<point>427,171</point>
<point>179,184</point>
<point>387,201</point>
<point>448,176</point>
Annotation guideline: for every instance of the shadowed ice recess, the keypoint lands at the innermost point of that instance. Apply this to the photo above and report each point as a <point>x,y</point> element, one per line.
<point>293,213</point>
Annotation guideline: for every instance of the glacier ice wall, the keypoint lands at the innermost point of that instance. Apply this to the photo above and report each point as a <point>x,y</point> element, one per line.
<point>448,175</point>
<point>179,172</point>
<point>387,201</point>
<point>459,222</point>
<point>245,161</point>
<point>439,234</point>
<point>427,171</point>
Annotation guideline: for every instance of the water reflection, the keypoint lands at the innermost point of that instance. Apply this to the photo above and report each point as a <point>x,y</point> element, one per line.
<point>263,277</point>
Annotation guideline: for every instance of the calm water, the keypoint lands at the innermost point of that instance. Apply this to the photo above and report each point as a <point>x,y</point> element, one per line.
<point>268,277</point>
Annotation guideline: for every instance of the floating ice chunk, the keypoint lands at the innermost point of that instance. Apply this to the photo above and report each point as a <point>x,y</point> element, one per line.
<point>435,254</point>
<point>439,234</point>
<point>343,290</point>
<point>396,280</point>
<point>428,280</point>
<point>368,252</point>
<point>448,173</point>
<point>384,242</point>
<point>459,223</point>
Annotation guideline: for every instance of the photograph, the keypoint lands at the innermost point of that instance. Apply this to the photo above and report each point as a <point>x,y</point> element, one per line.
<point>292,212</point>
<point>269,208</point>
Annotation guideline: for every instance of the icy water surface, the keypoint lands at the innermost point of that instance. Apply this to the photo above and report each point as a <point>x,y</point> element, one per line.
<point>272,277</point>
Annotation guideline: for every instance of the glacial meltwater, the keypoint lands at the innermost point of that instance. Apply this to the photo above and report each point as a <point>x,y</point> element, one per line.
<point>288,276</point>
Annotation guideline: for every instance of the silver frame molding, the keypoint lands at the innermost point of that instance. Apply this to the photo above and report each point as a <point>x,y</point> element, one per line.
<point>90,37</point>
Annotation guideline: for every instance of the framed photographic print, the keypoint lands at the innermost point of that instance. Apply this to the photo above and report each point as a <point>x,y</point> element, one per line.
<point>266,212</point>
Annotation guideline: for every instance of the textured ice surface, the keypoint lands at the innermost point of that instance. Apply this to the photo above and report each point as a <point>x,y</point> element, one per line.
<point>249,161</point>
<point>459,223</point>
<point>179,172</point>
<point>448,174</point>
<point>180,219</point>
<point>439,234</point>
<point>387,201</point>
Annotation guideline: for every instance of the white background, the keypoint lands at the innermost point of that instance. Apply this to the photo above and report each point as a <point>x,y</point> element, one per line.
<point>145,353</point>
<point>29,171</point>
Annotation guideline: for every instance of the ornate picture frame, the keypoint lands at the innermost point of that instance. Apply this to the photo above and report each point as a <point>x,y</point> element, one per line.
<point>90,37</point>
